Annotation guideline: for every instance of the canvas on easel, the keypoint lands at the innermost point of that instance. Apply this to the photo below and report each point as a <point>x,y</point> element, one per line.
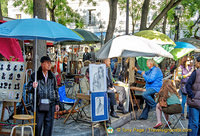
<point>97,73</point>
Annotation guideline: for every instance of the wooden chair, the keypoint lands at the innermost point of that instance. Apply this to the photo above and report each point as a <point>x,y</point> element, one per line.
<point>22,126</point>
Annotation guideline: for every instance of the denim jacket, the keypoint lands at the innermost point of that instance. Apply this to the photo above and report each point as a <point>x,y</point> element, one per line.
<point>153,78</point>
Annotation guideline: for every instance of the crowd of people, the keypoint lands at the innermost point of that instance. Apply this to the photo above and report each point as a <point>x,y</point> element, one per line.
<point>161,95</point>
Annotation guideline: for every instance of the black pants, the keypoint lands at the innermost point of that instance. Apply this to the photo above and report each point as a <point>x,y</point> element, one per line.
<point>45,119</point>
<point>112,99</point>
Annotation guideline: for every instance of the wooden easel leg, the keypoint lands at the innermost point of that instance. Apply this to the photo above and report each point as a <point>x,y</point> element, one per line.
<point>137,103</point>
<point>92,129</point>
<point>25,109</point>
<point>132,104</point>
<point>14,120</point>
<point>2,114</point>
<point>105,128</point>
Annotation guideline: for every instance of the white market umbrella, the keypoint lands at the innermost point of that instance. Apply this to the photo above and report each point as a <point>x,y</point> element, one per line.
<point>131,46</point>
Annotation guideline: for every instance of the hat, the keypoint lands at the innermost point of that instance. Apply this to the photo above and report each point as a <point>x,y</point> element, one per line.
<point>45,58</point>
<point>198,59</point>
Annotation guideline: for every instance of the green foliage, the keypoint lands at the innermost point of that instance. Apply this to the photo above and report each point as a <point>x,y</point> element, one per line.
<point>62,12</point>
<point>4,7</point>
<point>135,7</point>
<point>25,5</point>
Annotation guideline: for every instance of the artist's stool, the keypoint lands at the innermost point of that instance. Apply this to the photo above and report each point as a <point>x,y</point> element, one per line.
<point>23,117</point>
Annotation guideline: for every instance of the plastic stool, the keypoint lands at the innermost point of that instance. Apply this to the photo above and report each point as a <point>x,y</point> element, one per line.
<point>22,117</point>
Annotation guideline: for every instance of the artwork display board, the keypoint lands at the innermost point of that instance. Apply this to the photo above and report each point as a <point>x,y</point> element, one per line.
<point>12,76</point>
<point>99,106</point>
<point>97,73</point>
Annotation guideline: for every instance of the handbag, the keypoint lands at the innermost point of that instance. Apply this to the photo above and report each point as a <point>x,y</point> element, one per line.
<point>162,102</point>
<point>44,105</point>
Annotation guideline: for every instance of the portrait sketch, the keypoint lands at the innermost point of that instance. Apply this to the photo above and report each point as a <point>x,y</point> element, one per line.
<point>97,78</point>
<point>99,106</point>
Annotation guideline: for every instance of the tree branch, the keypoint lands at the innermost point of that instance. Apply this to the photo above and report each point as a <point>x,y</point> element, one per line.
<point>195,22</point>
<point>171,4</point>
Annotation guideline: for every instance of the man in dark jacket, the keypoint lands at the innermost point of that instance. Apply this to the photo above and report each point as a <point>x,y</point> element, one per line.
<point>86,55</point>
<point>47,94</point>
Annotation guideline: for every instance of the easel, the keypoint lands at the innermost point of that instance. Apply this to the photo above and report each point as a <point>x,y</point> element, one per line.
<point>93,125</point>
<point>83,97</point>
<point>14,120</point>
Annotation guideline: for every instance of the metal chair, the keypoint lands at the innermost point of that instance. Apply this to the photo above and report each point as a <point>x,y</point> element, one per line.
<point>175,118</point>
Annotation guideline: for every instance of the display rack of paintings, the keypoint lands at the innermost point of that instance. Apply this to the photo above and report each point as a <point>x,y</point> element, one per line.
<point>12,76</point>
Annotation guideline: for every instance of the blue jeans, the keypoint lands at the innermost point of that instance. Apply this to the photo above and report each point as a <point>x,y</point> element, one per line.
<point>184,98</point>
<point>150,103</point>
<point>193,122</point>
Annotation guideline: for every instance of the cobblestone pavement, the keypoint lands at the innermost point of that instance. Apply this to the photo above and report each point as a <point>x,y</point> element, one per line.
<point>132,128</point>
<point>145,128</point>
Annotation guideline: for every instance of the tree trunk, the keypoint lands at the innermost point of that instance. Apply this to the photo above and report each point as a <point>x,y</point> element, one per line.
<point>112,19</point>
<point>133,29</point>
<point>1,16</point>
<point>52,16</point>
<point>164,24</point>
<point>171,4</point>
<point>145,10</point>
<point>39,10</point>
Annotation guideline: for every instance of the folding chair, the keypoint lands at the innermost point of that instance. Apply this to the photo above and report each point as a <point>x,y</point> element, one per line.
<point>72,102</point>
<point>174,117</point>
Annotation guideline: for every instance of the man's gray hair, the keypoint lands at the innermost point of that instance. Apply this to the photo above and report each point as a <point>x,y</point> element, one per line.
<point>153,62</point>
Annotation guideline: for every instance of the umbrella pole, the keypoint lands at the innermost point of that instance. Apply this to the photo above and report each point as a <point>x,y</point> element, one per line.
<point>24,54</point>
<point>35,93</point>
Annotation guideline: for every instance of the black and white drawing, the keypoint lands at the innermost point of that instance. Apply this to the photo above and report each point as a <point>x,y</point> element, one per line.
<point>21,68</point>
<point>1,85</point>
<point>10,76</point>
<point>15,68</point>
<point>18,77</point>
<point>17,95</point>
<point>97,78</point>
<point>11,95</point>
<point>3,76</point>
<point>8,67</point>
<point>1,67</point>
<point>11,80</point>
<point>99,106</point>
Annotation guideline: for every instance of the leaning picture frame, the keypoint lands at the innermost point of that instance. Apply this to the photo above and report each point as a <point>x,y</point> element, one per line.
<point>97,73</point>
<point>99,106</point>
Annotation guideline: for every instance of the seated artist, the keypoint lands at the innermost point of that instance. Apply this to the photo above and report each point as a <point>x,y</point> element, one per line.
<point>153,78</point>
<point>111,92</point>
